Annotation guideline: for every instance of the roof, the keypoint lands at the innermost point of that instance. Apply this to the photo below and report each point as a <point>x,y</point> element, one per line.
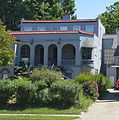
<point>38,21</point>
<point>49,32</point>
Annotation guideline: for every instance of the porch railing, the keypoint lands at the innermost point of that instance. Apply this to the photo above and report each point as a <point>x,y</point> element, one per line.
<point>68,62</point>
<point>87,62</point>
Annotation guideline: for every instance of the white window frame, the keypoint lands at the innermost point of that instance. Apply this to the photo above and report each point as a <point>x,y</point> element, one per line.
<point>90,28</point>
<point>57,29</point>
<point>76,27</point>
<point>41,28</point>
<point>63,28</point>
<point>28,28</point>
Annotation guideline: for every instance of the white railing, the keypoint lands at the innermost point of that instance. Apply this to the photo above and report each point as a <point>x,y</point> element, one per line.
<point>87,62</point>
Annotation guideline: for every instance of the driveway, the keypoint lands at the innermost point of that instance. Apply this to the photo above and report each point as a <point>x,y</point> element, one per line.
<point>105,109</point>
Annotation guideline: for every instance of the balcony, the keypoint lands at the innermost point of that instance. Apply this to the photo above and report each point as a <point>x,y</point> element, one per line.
<point>68,62</point>
<point>88,63</point>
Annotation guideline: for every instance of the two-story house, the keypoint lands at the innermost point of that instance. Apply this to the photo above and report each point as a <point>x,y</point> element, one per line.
<point>75,45</point>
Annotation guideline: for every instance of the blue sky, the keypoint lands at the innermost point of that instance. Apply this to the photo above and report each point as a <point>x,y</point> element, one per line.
<point>91,8</point>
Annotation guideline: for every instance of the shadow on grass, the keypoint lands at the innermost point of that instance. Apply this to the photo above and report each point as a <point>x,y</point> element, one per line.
<point>15,106</point>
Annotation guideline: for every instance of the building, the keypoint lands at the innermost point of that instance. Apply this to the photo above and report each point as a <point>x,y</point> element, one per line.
<point>109,44</point>
<point>110,57</point>
<point>75,45</point>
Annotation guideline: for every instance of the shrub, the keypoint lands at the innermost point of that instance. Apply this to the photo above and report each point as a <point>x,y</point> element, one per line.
<point>7,89</point>
<point>43,97</point>
<point>65,92</point>
<point>103,83</point>
<point>84,101</point>
<point>49,76</point>
<point>80,79</point>
<point>26,92</point>
<point>90,87</point>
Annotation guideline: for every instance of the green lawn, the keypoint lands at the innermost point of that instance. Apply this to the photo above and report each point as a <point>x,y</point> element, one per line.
<point>41,111</point>
<point>35,117</point>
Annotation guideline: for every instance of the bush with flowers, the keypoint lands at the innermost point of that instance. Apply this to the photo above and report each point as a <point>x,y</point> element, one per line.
<point>91,89</point>
<point>93,85</point>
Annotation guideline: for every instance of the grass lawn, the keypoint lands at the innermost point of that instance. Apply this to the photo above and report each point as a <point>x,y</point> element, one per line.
<point>36,117</point>
<point>41,111</point>
<point>17,109</point>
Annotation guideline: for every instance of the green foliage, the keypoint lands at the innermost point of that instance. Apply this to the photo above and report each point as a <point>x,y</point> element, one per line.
<point>47,75</point>
<point>110,18</point>
<point>43,97</point>
<point>7,89</point>
<point>26,62</point>
<point>103,83</point>
<point>91,89</point>
<point>84,101</point>
<point>12,11</point>
<point>93,83</point>
<point>26,93</point>
<point>6,52</point>
<point>80,79</point>
<point>65,92</point>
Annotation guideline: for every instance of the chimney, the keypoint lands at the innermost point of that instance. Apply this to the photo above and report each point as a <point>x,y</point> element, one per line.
<point>116,54</point>
<point>66,17</point>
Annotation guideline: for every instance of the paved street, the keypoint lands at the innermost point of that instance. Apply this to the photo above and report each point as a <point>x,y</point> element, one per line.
<point>105,109</point>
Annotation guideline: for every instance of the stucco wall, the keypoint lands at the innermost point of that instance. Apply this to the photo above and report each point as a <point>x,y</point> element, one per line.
<point>6,70</point>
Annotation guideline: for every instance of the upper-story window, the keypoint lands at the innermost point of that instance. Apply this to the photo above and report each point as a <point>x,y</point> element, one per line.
<point>90,28</point>
<point>28,28</point>
<point>63,28</point>
<point>76,27</point>
<point>54,28</point>
<point>41,28</point>
<point>86,53</point>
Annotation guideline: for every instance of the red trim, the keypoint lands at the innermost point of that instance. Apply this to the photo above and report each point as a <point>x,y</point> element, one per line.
<point>48,32</point>
<point>83,20</point>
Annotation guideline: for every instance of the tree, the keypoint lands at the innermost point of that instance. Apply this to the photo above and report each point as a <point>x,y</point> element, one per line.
<point>12,11</point>
<point>110,18</point>
<point>6,52</point>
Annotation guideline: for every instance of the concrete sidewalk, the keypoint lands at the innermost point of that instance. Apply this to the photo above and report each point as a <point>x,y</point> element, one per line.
<point>105,109</point>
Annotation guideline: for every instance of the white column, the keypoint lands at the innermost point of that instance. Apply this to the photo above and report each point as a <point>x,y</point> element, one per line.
<point>32,55</point>
<point>78,54</point>
<point>46,55</point>
<point>59,55</point>
<point>18,53</point>
<point>118,38</point>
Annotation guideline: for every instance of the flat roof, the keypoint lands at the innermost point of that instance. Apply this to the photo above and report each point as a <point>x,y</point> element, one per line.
<point>38,21</point>
<point>49,32</point>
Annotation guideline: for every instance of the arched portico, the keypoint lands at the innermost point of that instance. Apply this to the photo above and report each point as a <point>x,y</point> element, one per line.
<point>25,52</point>
<point>39,55</point>
<point>68,54</point>
<point>52,55</point>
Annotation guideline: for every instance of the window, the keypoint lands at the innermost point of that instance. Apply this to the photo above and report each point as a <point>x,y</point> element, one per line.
<point>5,75</point>
<point>41,28</point>
<point>89,28</point>
<point>76,27</point>
<point>109,56</point>
<point>63,28</point>
<point>54,28</point>
<point>25,51</point>
<point>27,28</point>
<point>86,53</point>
